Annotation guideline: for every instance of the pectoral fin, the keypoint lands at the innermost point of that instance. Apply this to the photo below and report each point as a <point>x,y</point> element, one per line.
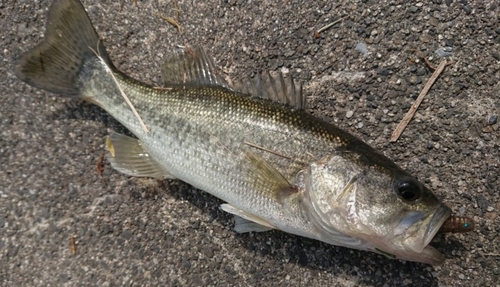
<point>247,222</point>
<point>242,225</point>
<point>267,179</point>
<point>128,156</point>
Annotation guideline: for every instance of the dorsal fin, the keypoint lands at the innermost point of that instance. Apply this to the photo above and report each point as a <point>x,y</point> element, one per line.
<point>273,87</point>
<point>195,66</point>
<point>192,66</point>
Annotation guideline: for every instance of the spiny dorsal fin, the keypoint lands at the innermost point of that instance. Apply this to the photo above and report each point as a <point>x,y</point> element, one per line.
<point>273,87</point>
<point>191,66</point>
<point>195,66</point>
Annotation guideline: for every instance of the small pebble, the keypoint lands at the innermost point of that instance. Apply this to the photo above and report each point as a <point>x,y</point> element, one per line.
<point>413,9</point>
<point>126,234</point>
<point>186,263</point>
<point>467,9</point>
<point>414,80</point>
<point>492,120</point>
<point>496,55</point>
<point>444,52</point>
<point>361,46</point>
<point>433,21</point>
<point>461,210</point>
<point>349,114</point>
<point>491,215</point>
<point>407,282</point>
<point>461,276</point>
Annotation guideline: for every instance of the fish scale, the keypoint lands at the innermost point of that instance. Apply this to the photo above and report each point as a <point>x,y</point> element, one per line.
<point>187,144</point>
<point>198,143</point>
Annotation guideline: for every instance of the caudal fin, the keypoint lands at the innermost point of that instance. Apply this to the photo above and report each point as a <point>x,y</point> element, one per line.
<point>70,41</point>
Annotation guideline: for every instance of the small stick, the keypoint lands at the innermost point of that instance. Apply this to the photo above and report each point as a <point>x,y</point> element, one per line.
<point>421,55</point>
<point>129,103</point>
<point>72,245</point>
<point>170,20</point>
<point>265,149</point>
<point>100,168</point>
<point>328,26</point>
<point>177,11</point>
<point>409,115</point>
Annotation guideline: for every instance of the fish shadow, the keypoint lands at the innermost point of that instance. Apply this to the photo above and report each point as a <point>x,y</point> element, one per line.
<point>361,267</point>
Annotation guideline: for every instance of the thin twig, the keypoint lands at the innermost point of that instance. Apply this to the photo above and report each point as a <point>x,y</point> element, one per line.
<point>427,62</point>
<point>170,20</point>
<point>265,149</point>
<point>328,26</point>
<point>177,11</point>
<point>99,167</point>
<point>72,245</point>
<point>121,90</point>
<point>409,115</point>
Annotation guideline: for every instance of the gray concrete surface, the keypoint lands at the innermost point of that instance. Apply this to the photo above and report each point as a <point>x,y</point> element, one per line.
<point>140,232</point>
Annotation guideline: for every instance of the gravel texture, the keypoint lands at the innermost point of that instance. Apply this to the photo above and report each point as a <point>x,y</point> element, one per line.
<point>137,232</point>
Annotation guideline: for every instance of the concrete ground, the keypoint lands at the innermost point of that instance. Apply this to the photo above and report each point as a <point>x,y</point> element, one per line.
<point>139,232</point>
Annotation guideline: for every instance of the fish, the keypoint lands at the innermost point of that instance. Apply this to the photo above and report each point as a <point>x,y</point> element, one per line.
<point>250,143</point>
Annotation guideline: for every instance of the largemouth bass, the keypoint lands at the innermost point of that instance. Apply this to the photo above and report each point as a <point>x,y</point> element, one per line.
<point>254,146</point>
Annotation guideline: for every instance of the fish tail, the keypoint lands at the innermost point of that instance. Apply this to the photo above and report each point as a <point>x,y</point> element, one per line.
<point>59,63</point>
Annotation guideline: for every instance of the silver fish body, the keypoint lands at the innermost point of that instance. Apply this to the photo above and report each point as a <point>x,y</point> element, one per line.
<point>275,165</point>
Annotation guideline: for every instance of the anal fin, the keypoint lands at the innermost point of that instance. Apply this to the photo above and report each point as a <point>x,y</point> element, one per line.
<point>247,222</point>
<point>128,156</point>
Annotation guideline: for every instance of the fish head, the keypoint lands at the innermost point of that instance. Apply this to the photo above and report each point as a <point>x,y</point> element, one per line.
<point>376,207</point>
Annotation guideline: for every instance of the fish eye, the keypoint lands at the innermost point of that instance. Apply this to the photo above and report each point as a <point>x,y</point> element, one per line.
<point>409,190</point>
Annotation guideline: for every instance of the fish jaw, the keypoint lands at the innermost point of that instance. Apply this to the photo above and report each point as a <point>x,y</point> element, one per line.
<point>413,243</point>
<point>418,246</point>
<point>433,222</point>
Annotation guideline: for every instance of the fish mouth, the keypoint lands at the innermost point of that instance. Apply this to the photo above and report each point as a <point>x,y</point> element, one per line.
<point>418,246</point>
<point>429,254</point>
<point>440,216</point>
<point>415,240</point>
